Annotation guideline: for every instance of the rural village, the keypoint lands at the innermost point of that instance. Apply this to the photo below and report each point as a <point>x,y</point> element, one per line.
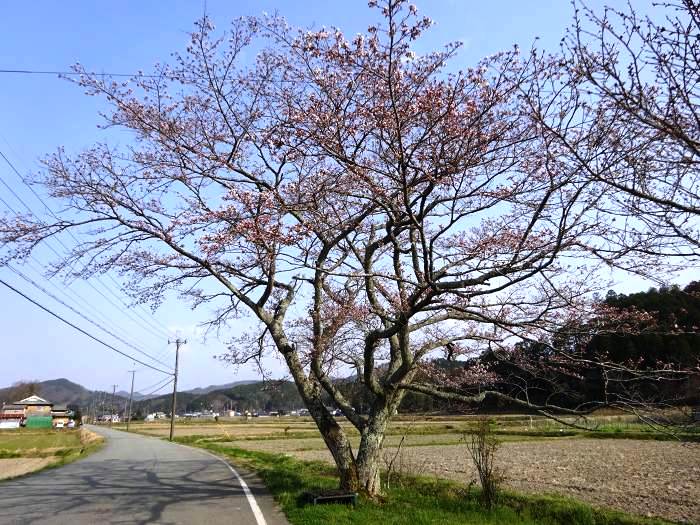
<point>270,263</point>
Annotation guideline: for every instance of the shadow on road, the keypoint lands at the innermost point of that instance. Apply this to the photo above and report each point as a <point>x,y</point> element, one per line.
<point>155,482</point>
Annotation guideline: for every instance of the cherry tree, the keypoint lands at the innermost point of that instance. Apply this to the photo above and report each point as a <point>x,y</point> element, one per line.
<point>368,207</point>
<point>623,109</point>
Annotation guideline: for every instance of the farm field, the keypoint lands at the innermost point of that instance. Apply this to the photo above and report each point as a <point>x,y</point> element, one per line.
<point>654,478</point>
<point>287,426</point>
<point>24,451</point>
<point>642,477</point>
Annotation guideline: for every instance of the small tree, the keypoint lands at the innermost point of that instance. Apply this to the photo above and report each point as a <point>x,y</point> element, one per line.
<point>483,447</point>
<point>21,389</point>
<point>77,415</point>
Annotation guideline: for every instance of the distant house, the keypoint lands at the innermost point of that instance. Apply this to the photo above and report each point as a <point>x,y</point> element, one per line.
<point>11,416</point>
<point>157,415</point>
<point>60,415</point>
<point>34,412</point>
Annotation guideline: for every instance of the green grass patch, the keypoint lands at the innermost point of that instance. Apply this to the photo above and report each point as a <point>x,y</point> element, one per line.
<point>39,443</point>
<point>28,439</point>
<point>39,453</point>
<point>74,454</point>
<point>414,500</point>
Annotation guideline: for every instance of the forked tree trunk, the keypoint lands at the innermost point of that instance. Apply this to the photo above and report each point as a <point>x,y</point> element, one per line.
<point>339,446</point>
<point>361,473</point>
<point>371,440</point>
<point>333,435</point>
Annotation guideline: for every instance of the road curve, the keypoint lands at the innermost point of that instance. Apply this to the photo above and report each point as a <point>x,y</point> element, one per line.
<point>135,479</point>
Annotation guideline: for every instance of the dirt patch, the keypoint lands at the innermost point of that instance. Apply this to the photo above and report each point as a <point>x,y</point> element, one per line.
<point>651,478</point>
<point>11,468</point>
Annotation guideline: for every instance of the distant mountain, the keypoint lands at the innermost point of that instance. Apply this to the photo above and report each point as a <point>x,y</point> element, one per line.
<point>138,396</point>
<point>239,395</point>
<point>64,392</point>
<point>244,395</point>
<point>213,388</point>
<point>125,394</point>
<point>200,391</point>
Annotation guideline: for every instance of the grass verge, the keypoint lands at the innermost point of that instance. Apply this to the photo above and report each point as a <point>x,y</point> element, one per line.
<point>414,501</point>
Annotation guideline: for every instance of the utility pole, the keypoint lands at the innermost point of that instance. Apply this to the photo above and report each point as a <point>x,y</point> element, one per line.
<point>111,405</point>
<point>177,342</point>
<point>131,395</point>
<point>103,396</point>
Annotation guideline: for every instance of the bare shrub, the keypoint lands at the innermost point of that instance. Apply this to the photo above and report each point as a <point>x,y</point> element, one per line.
<point>483,446</point>
<point>394,463</point>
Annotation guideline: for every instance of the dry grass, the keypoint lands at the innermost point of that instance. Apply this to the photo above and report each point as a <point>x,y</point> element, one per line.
<point>223,429</point>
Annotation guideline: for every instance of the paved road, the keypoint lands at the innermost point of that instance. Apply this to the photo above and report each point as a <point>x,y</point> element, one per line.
<point>133,480</point>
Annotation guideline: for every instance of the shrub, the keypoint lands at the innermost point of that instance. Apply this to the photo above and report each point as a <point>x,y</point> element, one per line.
<point>483,446</point>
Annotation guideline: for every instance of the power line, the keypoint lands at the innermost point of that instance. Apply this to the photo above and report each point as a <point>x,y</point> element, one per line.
<point>10,187</point>
<point>94,338</point>
<point>48,208</point>
<point>170,75</point>
<point>149,324</point>
<point>13,210</point>
<point>75,73</point>
<point>145,320</point>
<point>74,310</point>
<point>77,298</point>
<point>149,387</point>
<point>159,388</point>
<point>8,205</point>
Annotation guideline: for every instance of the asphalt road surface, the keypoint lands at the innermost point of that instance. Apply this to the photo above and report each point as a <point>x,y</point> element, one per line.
<point>136,479</point>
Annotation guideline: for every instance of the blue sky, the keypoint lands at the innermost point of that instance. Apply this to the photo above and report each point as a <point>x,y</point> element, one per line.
<point>39,113</point>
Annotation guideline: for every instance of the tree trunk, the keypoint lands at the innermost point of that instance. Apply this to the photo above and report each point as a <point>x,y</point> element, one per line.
<point>369,453</point>
<point>310,391</point>
<point>339,446</point>
<point>359,474</point>
<point>368,461</point>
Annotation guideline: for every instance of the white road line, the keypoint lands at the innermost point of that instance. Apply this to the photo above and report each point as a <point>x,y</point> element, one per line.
<point>259,518</point>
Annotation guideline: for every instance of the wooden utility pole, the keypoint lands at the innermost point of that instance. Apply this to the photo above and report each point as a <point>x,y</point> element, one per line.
<point>111,405</point>
<point>131,395</point>
<point>102,405</point>
<point>177,342</point>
